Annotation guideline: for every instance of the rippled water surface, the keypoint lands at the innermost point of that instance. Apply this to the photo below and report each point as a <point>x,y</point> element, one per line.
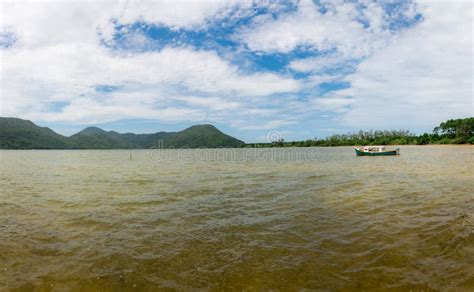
<point>324,219</point>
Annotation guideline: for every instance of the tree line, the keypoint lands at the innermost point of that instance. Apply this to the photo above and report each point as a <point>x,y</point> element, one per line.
<point>454,131</point>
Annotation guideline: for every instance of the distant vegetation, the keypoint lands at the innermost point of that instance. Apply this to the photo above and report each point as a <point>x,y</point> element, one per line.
<point>458,131</point>
<point>23,134</point>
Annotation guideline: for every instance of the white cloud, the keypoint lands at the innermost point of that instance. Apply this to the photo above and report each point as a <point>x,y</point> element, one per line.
<point>423,78</point>
<point>335,29</point>
<point>210,102</point>
<point>315,63</point>
<point>68,71</point>
<point>57,57</point>
<point>37,23</point>
<point>268,125</point>
<point>179,13</point>
<point>418,76</point>
<point>323,62</point>
<point>332,104</point>
<point>91,111</point>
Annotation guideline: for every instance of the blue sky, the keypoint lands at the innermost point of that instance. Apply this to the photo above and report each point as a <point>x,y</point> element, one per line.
<point>303,68</point>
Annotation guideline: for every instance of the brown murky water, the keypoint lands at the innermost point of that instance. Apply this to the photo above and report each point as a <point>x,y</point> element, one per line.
<point>141,220</point>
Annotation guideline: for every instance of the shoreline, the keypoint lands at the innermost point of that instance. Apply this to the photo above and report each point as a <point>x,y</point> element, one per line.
<point>200,148</point>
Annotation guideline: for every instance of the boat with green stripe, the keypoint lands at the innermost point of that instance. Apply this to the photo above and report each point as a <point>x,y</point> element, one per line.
<point>376,151</point>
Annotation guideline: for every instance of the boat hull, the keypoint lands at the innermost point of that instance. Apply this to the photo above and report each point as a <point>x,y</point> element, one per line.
<point>384,153</point>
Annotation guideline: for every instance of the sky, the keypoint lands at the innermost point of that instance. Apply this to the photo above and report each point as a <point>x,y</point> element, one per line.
<point>303,69</point>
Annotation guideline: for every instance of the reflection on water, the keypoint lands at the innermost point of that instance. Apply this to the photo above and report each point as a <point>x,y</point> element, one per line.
<point>119,220</point>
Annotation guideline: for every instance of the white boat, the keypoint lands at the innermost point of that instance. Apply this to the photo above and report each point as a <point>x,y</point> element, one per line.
<point>376,151</point>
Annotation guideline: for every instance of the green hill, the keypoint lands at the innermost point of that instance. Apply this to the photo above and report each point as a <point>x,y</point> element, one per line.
<point>195,136</point>
<point>146,141</point>
<point>23,134</point>
<point>96,138</point>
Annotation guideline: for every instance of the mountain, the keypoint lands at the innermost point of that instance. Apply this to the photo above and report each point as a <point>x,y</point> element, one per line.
<point>195,136</point>
<point>96,138</point>
<point>23,134</point>
<point>146,141</point>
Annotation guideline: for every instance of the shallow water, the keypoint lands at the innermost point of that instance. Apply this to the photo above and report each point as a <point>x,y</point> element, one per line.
<point>230,219</point>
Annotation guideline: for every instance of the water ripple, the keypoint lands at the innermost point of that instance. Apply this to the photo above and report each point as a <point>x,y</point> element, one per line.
<point>96,220</point>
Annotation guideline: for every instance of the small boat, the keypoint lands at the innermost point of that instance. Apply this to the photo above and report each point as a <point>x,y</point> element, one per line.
<point>376,151</point>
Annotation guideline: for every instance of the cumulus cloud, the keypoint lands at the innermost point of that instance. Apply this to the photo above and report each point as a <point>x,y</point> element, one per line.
<point>422,78</point>
<point>419,76</point>
<point>323,63</point>
<point>58,57</point>
<point>38,23</point>
<point>67,71</point>
<point>337,28</point>
<point>269,125</point>
<point>332,104</point>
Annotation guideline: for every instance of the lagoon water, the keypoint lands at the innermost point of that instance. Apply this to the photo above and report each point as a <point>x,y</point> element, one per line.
<point>286,219</point>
